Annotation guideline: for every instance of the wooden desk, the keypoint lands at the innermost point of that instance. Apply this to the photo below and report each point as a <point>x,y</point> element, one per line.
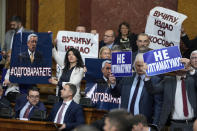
<point>92,114</point>
<point>20,125</point>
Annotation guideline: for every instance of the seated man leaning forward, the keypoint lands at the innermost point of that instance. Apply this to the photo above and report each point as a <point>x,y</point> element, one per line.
<point>26,105</point>
<point>67,112</point>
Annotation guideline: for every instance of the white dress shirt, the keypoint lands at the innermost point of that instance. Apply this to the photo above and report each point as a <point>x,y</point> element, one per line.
<point>64,112</point>
<point>178,113</point>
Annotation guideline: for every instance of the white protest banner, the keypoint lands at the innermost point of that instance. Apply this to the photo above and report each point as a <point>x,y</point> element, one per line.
<point>164,27</point>
<point>86,43</point>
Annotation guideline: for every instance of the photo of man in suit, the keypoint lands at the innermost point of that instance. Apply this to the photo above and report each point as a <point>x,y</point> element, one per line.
<point>102,87</point>
<point>26,105</point>
<point>67,112</point>
<point>31,57</point>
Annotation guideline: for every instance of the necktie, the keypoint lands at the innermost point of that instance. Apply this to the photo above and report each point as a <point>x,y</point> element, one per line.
<point>59,117</point>
<point>26,114</point>
<point>184,97</point>
<point>32,57</point>
<point>135,95</point>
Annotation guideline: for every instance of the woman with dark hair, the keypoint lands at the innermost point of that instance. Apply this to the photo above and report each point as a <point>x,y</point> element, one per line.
<point>73,70</point>
<point>125,38</point>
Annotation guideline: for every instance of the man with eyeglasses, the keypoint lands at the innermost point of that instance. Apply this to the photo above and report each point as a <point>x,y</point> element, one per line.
<point>193,59</point>
<point>108,39</point>
<point>25,105</point>
<point>31,57</point>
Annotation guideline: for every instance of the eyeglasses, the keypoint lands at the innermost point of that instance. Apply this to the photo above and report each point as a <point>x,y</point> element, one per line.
<point>34,97</point>
<point>141,41</point>
<point>108,35</point>
<point>193,58</point>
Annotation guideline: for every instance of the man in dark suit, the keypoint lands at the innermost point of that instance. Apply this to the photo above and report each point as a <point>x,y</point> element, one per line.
<point>134,97</point>
<point>67,112</point>
<point>15,27</point>
<point>31,57</point>
<point>108,39</point>
<point>179,98</point>
<point>26,105</point>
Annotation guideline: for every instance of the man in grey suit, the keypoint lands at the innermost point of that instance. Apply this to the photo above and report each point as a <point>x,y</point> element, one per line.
<point>179,98</point>
<point>15,27</point>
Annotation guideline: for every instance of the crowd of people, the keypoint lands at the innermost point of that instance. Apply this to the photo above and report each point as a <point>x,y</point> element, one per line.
<point>146,103</point>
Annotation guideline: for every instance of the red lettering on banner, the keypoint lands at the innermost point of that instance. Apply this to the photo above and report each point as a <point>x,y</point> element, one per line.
<point>76,40</point>
<point>165,16</point>
<point>163,25</point>
<point>160,41</point>
<point>84,50</point>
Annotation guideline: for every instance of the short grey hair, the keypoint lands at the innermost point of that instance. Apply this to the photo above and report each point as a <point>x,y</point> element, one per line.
<point>104,62</point>
<point>31,35</point>
<point>193,52</point>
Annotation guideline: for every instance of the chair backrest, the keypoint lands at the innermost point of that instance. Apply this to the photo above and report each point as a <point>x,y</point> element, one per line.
<point>38,115</point>
<point>86,102</point>
<point>52,99</point>
<point>6,113</point>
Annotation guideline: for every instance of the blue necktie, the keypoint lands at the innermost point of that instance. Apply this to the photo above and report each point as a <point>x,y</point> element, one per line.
<point>135,95</point>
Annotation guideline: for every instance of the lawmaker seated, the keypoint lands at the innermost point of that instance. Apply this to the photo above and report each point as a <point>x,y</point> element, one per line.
<point>27,104</point>
<point>67,112</point>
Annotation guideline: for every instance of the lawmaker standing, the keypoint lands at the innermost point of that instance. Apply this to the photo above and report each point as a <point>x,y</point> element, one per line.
<point>72,70</point>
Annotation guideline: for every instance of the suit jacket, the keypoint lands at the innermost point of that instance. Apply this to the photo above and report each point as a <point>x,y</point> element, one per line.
<point>73,117</point>
<point>8,39</point>
<point>148,105</point>
<point>24,59</point>
<point>167,86</point>
<point>20,103</point>
<point>4,103</point>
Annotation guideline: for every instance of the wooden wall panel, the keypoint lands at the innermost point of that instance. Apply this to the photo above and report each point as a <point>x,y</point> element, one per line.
<point>189,8</point>
<point>15,7</point>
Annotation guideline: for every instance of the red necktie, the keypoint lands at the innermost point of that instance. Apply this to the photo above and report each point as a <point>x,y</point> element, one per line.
<point>59,117</point>
<point>26,114</point>
<point>185,108</point>
<point>135,95</point>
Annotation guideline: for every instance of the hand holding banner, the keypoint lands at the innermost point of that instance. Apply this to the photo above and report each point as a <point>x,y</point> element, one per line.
<point>121,64</point>
<point>163,60</point>
<point>164,27</point>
